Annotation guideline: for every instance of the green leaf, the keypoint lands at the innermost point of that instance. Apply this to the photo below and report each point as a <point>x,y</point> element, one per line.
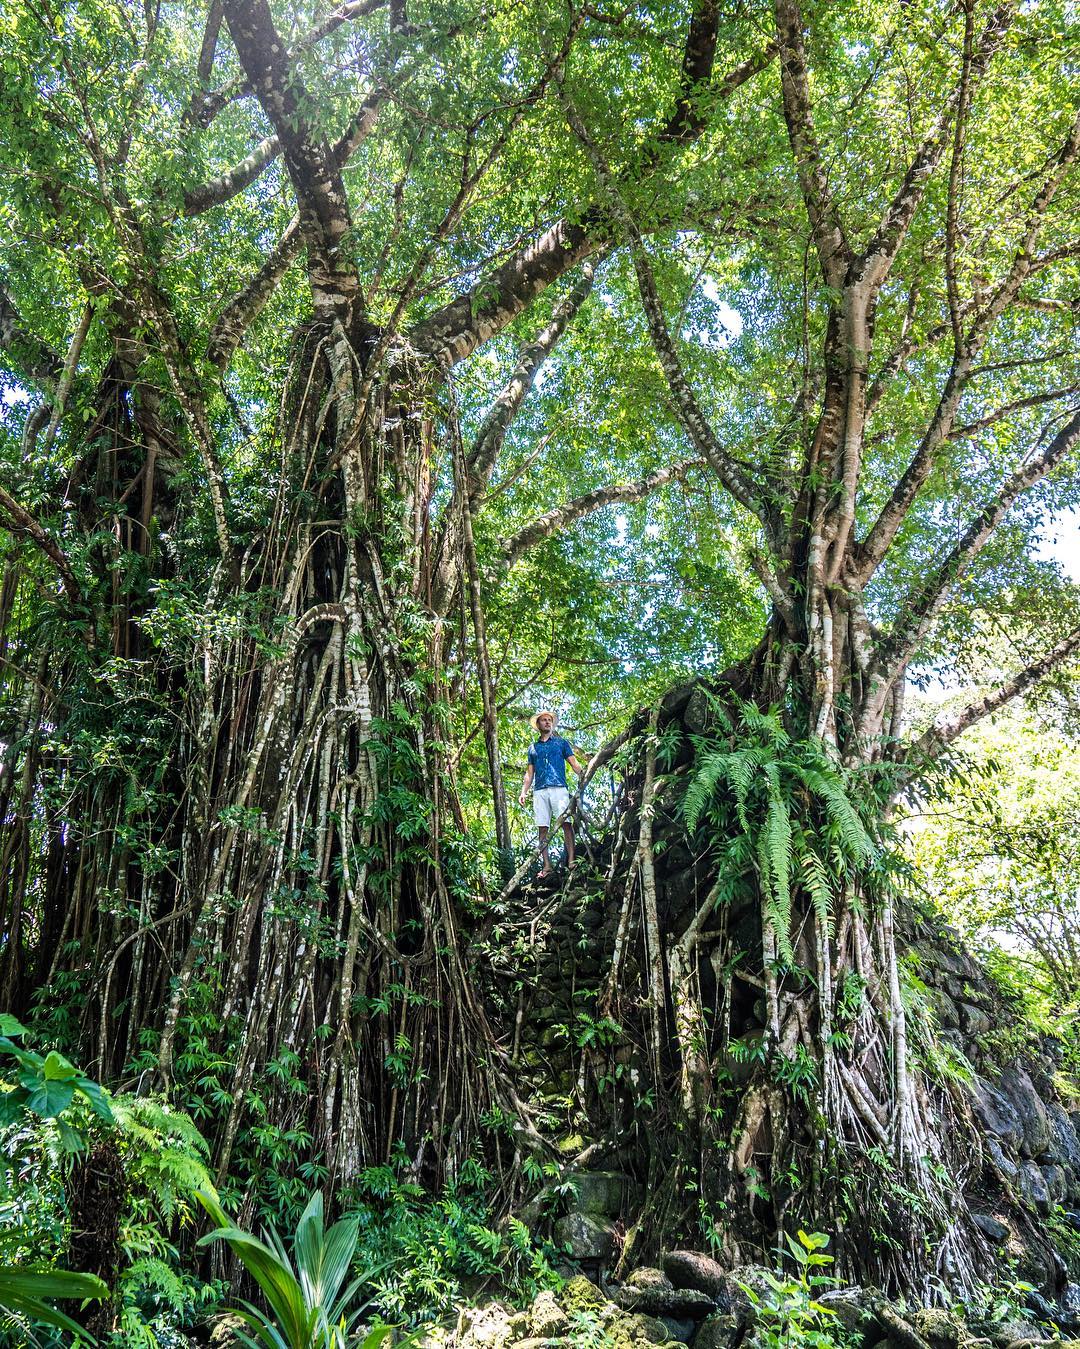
<point>50,1099</point>
<point>29,1293</point>
<point>56,1068</point>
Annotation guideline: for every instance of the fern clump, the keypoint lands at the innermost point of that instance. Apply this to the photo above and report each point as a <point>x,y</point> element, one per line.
<point>787,816</point>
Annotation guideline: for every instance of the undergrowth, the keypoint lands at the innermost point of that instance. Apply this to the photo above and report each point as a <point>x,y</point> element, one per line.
<point>437,1251</point>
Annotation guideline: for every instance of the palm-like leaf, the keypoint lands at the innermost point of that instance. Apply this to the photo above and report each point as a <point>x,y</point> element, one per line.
<point>308,1296</point>
<point>30,1292</point>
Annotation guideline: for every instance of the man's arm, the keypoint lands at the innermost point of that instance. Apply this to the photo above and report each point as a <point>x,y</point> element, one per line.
<point>571,759</point>
<point>526,783</point>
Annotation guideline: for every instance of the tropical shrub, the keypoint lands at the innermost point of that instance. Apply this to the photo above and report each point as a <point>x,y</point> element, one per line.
<point>311,1299</point>
<point>788,1314</point>
<point>45,1087</point>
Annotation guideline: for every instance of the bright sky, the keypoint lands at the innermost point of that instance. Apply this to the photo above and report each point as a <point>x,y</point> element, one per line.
<point>1061,541</point>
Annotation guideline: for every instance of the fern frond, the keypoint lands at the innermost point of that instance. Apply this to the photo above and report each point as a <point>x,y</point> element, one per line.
<point>815,878</point>
<point>829,789</point>
<point>744,764</point>
<point>712,770</point>
<point>719,710</point>
<point>767,725</point>
<point>776,852</point>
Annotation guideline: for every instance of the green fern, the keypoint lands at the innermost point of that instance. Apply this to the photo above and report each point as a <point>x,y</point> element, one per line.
<point>166,1155</point>
<point>815,880</point>
<point>712,770</point>
<point>791,802</point>
<point>776,839</point>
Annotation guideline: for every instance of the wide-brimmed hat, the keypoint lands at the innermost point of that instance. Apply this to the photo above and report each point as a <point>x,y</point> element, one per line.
<point>544,712</point>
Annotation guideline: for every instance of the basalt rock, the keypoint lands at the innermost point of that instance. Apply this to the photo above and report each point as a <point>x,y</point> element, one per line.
<point>660,1298</point>
<point>605,1193</point>
<point>719,1331</point>
<point>703,1274</point>
<point>585,1236</point>
<point>546,1317</point>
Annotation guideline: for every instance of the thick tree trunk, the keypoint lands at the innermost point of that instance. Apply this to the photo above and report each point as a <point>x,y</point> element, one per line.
<point>830,1110</point>
<point>315,968</point>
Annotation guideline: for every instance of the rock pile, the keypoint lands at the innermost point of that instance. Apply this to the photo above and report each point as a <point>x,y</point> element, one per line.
<point>696,1303</point>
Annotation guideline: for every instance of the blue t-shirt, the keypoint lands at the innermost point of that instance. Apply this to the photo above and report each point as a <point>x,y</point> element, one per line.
<point>548,758</point>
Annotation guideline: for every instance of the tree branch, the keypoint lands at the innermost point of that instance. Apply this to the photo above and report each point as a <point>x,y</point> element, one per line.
<point>67,375</point>
<point>881,252</point>
<point>32,357</point>
<point>1025,259</point>
<point>946,729</point>
<point>992,418</point>
<point>493,431</point>
<point>898,358</point>
<point>872,550</point>
<point>833,250</point>
<point>313,169</point>
<point>243,308</point>
<point>919,610</point>
<point>230,184</point>
<point>694,422</point>
<point>545,525</point>
<point>208,49</point>
<point>21,523</point>
<point>688,118</point>
<point>454,332</point>
<point>209,105</point>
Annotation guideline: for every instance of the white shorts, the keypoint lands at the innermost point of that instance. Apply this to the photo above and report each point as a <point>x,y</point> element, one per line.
<point>548,804</point>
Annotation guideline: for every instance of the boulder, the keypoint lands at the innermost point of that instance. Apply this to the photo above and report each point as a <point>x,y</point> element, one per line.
<point>1066,1142</point>
<point>646,1276</point>
<point>1018,1089</point>
<point>944,1009</point>
<point>1057,1184</point>
<point>1032,1186</point>
<point>703,1274</point>
<point>997,1114</point>
<point>584,1236</point>
<point>657,1298</point>
<point>653,1328</point>
<point>546,1318</point>
<point>1001,1334</point>
<point>973,1020</point>
<point>939,1328</point>
<point>579,1295</point>
<point>853,1309</point>
<point>490,1327</point>
<point>594,1318</point>
<point>992,1228</point>
<point>933,956</point>
<point>1001,1160</point>
<point>719,1331</point>
<point>602,1192</point>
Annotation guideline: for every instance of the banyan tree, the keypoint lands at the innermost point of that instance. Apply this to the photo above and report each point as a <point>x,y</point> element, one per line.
<point>290,301</point>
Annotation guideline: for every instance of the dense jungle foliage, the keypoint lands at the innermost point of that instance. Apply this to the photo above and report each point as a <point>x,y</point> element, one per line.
<point>375,374</point>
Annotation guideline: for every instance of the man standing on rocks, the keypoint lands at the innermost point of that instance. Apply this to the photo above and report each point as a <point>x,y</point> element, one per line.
<point>546,775</point>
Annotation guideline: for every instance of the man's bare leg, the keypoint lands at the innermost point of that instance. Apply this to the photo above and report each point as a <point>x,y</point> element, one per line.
<point>568,839</point>
<point>543,831</point>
